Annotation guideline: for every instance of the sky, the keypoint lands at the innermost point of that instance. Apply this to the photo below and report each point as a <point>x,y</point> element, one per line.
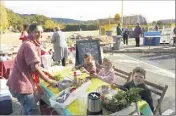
<point>92,10</point>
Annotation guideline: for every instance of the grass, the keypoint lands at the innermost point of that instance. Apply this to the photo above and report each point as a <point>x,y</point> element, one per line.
<point>12,39</point>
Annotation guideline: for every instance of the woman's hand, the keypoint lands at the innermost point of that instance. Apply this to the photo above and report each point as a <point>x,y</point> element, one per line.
<point>52,82</point>
<point>95,75</point>
<point>114,85</point>
<point>47,73</point>
<point>83,70</point>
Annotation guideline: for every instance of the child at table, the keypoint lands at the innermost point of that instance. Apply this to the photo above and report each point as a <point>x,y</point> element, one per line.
<point>137,80</point>
<point>89,64</point>
<point>107,73</point>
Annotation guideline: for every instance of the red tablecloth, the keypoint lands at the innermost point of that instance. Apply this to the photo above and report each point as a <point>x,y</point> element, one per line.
<point>5,67</point>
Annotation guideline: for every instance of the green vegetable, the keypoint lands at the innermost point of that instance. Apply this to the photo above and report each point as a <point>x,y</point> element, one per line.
<point>58,77</point>
<point>122,100</point>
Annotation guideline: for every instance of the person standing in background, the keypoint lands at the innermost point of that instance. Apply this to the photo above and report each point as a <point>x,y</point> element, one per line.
<point>174,35</point>
<point>156,27</point>
<point>119,30</point>
<point>137,34</point>
<point>60,46</point>
<point>24,33</point>
<point>125,35</point>
<point>117,39</point>
<point>174,30</point>
<point>143,30</point>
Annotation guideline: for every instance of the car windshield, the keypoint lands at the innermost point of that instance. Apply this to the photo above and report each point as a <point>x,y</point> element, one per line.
<point>166,32</point>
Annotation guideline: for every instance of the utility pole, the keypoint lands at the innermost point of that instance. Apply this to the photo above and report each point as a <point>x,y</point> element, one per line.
<point>122,14</point>
<point>109,23</point>
<point>80,24</point>
<point>97,24</point>
<point>138,19</point>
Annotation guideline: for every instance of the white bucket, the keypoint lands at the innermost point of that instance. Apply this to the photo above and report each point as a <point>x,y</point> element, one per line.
<point>46,61</point>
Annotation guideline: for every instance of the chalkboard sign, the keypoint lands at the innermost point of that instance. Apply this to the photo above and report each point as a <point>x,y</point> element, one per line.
<point>88,46</point>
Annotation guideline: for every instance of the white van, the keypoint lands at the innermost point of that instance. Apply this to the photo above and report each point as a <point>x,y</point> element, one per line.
<point>166,36</point>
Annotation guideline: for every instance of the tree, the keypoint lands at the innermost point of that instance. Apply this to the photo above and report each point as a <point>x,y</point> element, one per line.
<point>8,18</point>
<point>154,22</point>
<point>40,19</point>
<point>61,25</point>
<point>159,23</point>
<point>49,24</point>
<point>14,19</point>
<point>3,17</point>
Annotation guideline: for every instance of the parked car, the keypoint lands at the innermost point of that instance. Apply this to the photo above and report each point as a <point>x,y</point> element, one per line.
<point>166,36</point>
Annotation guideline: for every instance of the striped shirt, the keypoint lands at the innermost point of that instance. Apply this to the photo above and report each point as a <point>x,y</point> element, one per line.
<point>107,75</point>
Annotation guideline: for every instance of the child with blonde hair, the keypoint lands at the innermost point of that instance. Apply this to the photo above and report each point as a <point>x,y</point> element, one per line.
<point>107,73</point>
<point>89,64</point>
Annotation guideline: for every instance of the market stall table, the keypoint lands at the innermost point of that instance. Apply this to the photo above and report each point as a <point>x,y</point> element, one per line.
<point>5,68</point>
<point>73,108</point>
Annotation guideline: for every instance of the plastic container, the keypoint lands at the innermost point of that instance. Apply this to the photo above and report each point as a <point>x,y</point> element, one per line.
<point>5,105</point>
<point>46,61</point>
<point>82,103</point>
<point>154,41</point>
<point>47,93</point>
<point>59,107</point>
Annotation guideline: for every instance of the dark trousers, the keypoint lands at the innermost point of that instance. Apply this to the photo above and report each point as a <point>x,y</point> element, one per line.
<point>125,40</point>
<point>174,40</point>
<point>137,41</point>
<point>63,62</point>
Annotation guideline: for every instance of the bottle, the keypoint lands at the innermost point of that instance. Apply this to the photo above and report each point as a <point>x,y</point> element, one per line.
<point>92,72</point>
<point>75,78</point>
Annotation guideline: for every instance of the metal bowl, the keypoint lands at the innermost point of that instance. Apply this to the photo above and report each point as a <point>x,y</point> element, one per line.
<point>65,84</point>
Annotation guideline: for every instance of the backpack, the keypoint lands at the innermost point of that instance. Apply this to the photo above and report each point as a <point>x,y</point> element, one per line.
<point>175,30</point>
<point>125,33</point>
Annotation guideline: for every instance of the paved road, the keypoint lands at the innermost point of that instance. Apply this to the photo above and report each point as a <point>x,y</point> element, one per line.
<point>133,60</point>
<point>161,60</point>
